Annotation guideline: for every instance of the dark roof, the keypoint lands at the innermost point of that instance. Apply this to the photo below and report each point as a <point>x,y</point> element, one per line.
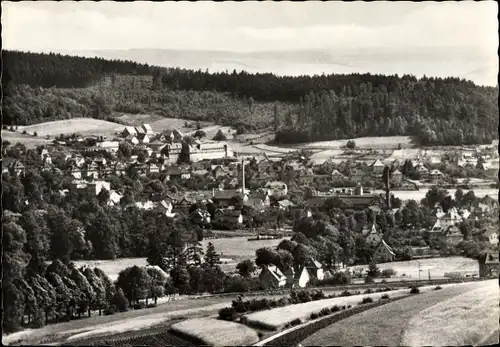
<point>225,194</point>
<point>317,201</point>
<point>229,212</point>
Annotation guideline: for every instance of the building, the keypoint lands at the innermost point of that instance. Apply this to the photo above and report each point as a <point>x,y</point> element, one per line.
<point>271,277</point>
<point>209,150</point>
<point>314,268</point>
<point>383,253</point>
<point>378,168</point>
<point>302,278</point>
<point>93,188</point>
<point>435,175</point>
<point>143,138</point>
<point>286,205</point>
<point>108,146</point>
<point>172,151</point>
<point>489,264</point>
<point>397,177</point>
<point>277,188</point>
<point>337,175</point>
<point>177,172</point>
<point>13,166</point>
<point>222,198</point>
<point>200,217</point>
<point>492,235</point>
<point>228,217</point>
<point>371,235</point>
<point>129,131</point>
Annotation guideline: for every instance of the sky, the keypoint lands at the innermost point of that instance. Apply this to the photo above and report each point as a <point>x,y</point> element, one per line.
<point>250,26</point>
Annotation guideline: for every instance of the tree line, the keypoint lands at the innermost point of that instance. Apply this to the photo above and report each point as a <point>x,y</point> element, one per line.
<point>439,111</point>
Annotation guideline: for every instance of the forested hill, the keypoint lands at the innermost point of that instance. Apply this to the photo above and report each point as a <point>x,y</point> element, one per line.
<point>327,107</point>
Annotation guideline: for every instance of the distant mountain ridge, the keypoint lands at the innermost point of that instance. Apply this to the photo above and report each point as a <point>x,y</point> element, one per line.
<point>477,66</point>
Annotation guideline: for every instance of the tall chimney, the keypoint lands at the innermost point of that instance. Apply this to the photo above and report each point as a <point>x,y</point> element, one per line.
<point>243,178</point>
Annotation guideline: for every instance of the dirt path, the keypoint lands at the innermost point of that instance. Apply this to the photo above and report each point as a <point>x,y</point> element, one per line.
<point>383,325</point>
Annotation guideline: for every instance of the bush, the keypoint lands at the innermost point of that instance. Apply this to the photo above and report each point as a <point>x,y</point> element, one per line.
<point>335,308</point>
<point>108,311</point>
<point>385,297</point>
<point>343,307</point>
<point>299,296</point>
<point>295,322</point>
<point>325,311</point>
<point>366,301</point>
<point>414,290</point>
<point>24,131</point>
<point>260,334</point>
<point>345,293</point>
<point>383,281</point>
<point>369,280</point>
<point>387,273</point>
<point>349,306</point>
<point>368,291</point>
<point>314,315</point>
<point>318,295</point>
<point>438,288</point>
<point>35,134</point>
<point>351,144</point>
<point>227,313</point>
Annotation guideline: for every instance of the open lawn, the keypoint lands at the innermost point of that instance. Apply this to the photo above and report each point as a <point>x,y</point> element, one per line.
<point>436,266</point>
<point>277,318</point>
<point>28,140</point>
<point>385,325</point>
<point>82,126</point>
<point>467,318</point>
<point>364,142</point>
<point>231,249</point>
<point>216,333</point>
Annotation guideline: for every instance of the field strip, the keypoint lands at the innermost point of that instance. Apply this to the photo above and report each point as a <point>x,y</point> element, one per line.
<point>384,325</point>
<point>463,320</point>
<point>215,332</point>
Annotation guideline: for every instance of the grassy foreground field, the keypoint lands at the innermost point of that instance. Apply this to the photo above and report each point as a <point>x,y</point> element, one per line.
<point>469,318</point>
<point>385,325</point>
<point>28,140</point>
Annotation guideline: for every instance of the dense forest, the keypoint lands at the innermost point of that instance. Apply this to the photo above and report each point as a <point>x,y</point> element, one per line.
<point>41,87</point>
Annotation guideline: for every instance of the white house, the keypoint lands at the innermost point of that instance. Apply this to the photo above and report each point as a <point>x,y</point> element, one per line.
<point>314,268</point>
<point>378,167</point>
<point>302,277</point>
<point>129,131</point>
<point>272,277</point>
<point>108,146</point>
<point>492,234</point>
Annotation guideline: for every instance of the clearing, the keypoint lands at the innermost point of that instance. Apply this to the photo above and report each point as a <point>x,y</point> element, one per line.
<point>231,249</point>
<point>28,140</point>
<point>82,126</point>
<point>469,318</point>
<point>385,325</point>
<point>215,332</point>
<point>364,142</point>
<point>437,267</point>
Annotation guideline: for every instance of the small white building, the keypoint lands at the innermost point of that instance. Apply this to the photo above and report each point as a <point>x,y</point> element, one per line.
<point>272,277</point>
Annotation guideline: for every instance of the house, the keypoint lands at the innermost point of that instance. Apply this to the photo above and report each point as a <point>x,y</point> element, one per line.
<point>162,206</point>
<point>435,175</point>
<point>271,277</point>
<point>397,177</point>
<point>143,138</point>
<point>302,278</point>
<point>92,170</point>
<point>314,268</point>
<point>489,264</point>
<point>156,145</point>
<point>371,235</point>
<point>13,166</point>
<point>152,168</point>
<point>377,168</point>
<point>119,169</point>
<point>76,172</point>
<point>108,146</point>
<point>222,198</point>
<point>277,188</point>
<point>114,198</point>
<point>177,172</point>
<point>178,136</point>
<point>383,253</point>
<point>228,216</point>
<point>209,150</point>
<point>492,235</point>
<point>356,174</point>
<point>220,171</point>
<point>172,151</point>
<point>422,171</point>
<point>147,129</point>
<point>337,175</point>
<point>200,217</point>
<point>285,204</point>
<point>233,183</point>
<point>256,203</point>
<point>132,139</point>
<point>128,132</point>
<point>184,203</point>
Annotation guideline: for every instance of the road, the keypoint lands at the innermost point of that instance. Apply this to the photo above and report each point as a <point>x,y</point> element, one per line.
<point>384,325</point>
